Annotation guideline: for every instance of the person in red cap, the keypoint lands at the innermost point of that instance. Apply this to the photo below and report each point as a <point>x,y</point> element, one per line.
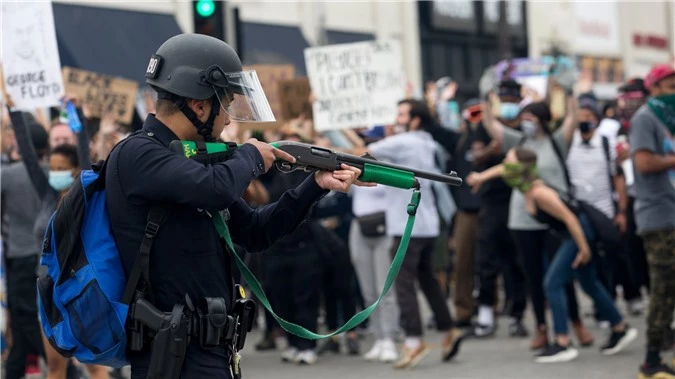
<point>653,153</point>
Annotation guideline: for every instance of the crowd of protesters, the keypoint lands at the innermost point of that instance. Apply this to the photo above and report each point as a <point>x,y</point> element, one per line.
<point>588,195</point>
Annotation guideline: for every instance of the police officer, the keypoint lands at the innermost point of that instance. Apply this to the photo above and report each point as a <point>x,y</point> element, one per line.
<point>200,86</point>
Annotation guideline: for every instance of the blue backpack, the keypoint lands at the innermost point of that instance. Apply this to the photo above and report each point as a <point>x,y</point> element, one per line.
<point>84,297</point>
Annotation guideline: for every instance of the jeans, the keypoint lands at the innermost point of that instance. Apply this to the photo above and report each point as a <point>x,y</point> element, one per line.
<point>560,273</point>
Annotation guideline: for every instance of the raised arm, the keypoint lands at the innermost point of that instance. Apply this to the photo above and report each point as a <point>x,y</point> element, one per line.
<point>28,154</point>
<point>494,128</point>
<point>570,124</point>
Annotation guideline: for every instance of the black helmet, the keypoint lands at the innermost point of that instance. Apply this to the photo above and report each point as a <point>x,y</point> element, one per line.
<point>200,67</point>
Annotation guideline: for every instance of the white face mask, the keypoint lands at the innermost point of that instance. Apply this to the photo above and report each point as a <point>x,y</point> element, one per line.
<point>529,128</point>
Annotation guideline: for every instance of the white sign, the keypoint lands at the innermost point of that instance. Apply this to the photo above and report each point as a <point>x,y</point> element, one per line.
<point>30,57</point>
<point>355,85</point>
<point>597,28</point>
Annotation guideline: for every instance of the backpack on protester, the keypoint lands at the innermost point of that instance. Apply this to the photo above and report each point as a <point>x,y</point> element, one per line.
<point>84,297</point>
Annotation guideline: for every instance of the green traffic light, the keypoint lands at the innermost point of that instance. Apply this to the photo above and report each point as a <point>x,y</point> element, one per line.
<point>205,8</point>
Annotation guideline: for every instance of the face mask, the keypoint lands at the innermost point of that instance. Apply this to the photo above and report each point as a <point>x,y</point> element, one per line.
<point>529,128</point>
<point>60,180</point>
<point>518,176</point>
<point>586,127</point>
<point>509,111</point>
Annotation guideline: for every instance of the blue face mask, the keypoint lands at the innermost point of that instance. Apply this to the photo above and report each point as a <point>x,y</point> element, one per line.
<point>60,180</point>
<point>509,111</point>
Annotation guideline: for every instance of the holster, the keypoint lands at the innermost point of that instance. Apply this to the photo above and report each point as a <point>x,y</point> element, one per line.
<point>169,347</point>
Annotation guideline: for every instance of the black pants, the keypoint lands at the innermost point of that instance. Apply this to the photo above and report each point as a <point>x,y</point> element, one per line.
<point>615,268</point>
<point>23,312</point>
<point>418,266</point>
<point>497,254</point>
<point>536,248</point>
<point>198,363</point>
<point>636,250</point>
<point>338,287</point>
<point>295,281</point>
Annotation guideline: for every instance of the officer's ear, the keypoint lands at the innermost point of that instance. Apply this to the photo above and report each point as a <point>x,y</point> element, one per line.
<point>200,107</point>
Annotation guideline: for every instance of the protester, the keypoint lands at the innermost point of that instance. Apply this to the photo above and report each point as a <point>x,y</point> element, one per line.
<point>415,148</point>
<point>532,239</point>
<point>573,256</point>
<point>651,138</point>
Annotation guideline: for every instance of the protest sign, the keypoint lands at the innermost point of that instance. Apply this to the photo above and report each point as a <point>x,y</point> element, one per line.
<point>356,84</point>
<point>31,62</point>
<point>270,76</point>
<point>534,72</point>
<point>103,93</point>
<point>294,96</point>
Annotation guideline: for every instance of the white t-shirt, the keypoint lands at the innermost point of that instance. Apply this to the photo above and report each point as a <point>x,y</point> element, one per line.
<point>368,200</point>
<point>417,150</point>
<point>590,173</point>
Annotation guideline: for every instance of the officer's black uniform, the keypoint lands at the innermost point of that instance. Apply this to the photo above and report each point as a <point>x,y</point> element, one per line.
<point>187,257</point>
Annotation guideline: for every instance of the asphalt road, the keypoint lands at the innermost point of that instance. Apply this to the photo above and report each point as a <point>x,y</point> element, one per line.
<point>498,357</point>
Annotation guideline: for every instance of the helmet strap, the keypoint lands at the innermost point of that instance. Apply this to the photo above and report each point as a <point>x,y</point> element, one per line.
<point>205,129</point>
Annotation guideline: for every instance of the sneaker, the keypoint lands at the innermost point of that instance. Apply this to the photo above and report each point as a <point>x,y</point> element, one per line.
<point>636,307</point>
<point>451,342</point>
<point>411,357</point>
<point>306,357</point>
<point>517,329</point>
<point>540,339</point>
<point>556,353</point>
<point>289,355</point>
<point>331,345</point>
<point>484,331</point>
<point>656,372</point>
<point>265,344</point>
<point>374,352</point>
<point>352,346</point>
<point>583,335</point>
<point>388,353</point>
<point>619,340</point>
<point>33,371</point>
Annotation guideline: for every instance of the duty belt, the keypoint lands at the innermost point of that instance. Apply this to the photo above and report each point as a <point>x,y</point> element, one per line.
<point>172,332</point>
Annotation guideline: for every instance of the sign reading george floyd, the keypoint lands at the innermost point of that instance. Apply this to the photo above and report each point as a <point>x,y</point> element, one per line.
<point>31,62</point>
<point>355,85</point>
<point>103,93</point>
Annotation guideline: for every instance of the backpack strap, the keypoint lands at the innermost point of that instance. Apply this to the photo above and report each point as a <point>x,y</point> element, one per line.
<point>605,147</point>
<point>156,217</point>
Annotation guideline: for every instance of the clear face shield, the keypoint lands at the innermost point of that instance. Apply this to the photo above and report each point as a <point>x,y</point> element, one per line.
<point>241,96</point>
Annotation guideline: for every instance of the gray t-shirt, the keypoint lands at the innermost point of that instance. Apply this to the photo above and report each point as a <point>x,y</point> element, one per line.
<point>549,168</point>
<point>21,205</point>
<point>655,195</point>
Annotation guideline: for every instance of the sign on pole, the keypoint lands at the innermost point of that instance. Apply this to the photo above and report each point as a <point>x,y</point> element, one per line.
<point>355,85</point>
<point>30,56</point>
<point>103,93</point>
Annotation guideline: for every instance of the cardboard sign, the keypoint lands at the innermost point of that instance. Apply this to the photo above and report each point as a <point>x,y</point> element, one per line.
<point>355,85</point>
<point>294,95</point>
<point>270,76</point>
<point>103,93</point>
<point>32,66</point>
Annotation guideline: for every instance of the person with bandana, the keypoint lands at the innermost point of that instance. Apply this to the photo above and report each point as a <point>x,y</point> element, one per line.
<point>652,149</point>
<point>632,95</point>
<point>531,237</point>
<point>572,258</point>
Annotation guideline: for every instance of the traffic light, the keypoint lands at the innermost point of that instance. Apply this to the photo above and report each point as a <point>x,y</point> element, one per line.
<point>208,18</point>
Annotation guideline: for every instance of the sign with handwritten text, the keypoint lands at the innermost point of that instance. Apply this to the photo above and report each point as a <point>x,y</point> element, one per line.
<point>30,56</point>
<point>355,85</point>
<point>103,93</point>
